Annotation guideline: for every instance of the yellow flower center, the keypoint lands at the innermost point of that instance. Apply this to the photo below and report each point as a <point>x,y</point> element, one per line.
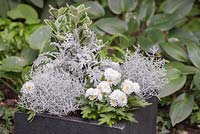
<point>126,88</point>
<point>100,87</point>
<point>113,102</point>
<point>110,81</point>
<point>92,97</point>
<point>29,88</point>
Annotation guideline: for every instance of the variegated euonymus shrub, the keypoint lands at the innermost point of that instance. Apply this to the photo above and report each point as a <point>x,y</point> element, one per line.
<point>74,77</point>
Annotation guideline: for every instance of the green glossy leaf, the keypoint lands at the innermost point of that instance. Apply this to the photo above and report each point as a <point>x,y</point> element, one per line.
<point>145,43</point>
<point>126,42</point>
<point>173,86</point>
<point>184,35</point>
<point>185,69</point>
<point>175,82</point>
<point>95,9</point>
<point>194,54</point>
<point>48,47</point>
<point>151,37</point>
<point>29,55</point>
<point>175,51</point>
<point>155,35</point>
<point>119,6</point>
<point>97,30</point>
<point>25,12</point>
<point>44,14</point>
<point>163,22</point>
<point>14,3</point>
<point>115,6</point>
<point>197,34</point>
<point>181,7</point>
<point>130,5</point>
<point>181,108</point>
<point>196,80</point>
<point>40,38</point>
<point>38,3</point>
<point>195,10</point>
<point>173,73</point>
<point>13,64</point>
<point>193,25</point>
<point>133,25</point>
<point>26,73</point>
<point>10,75</point>
<point>147,9</point>
<point>112,25</point>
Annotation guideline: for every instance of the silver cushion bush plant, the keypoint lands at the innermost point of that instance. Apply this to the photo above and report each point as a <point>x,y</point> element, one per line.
<point>147,70</point>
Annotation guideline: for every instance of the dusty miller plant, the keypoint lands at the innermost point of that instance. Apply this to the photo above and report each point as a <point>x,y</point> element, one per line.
<point>59,77</point>
<point>147,69</point>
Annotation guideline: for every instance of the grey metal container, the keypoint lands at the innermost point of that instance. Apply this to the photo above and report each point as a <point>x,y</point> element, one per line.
<point>47,124</point>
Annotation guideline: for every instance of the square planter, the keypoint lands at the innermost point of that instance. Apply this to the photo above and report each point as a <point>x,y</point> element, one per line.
<point>47,124</point>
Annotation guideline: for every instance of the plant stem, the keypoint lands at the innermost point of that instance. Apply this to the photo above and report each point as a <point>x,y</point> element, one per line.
<point>8,85</point>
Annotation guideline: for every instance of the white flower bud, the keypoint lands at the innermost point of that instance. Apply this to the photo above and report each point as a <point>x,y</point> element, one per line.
<point>93,94</point>
<point>28,87</point>
<point>129,87</point>
<point>104,87</point>
<point>112,76</point>
<point>136,88</point>
<point>118,98</point>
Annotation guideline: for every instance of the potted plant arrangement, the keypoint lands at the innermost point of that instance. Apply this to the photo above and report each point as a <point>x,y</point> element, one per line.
<point>73,90</point>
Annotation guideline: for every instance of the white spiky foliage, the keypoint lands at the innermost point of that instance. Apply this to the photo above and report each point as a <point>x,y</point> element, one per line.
<point>60,76</point>
<point>147,70</point>
<point>54,92</point>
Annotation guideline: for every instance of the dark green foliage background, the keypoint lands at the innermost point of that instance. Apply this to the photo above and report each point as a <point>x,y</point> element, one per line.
<point>173,25</point>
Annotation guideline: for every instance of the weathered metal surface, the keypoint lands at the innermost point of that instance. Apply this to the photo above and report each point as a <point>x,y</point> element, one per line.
<point>47,124</point>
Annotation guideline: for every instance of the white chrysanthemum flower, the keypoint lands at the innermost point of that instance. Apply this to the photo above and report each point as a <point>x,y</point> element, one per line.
<point>113,103</point>
<point>104,87</point>
<point>93,94</point>
<point>136,88</point>
<point>112,76</point>
<point>28,87</point>
<point>129,87</point>
<point>118,98</point>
